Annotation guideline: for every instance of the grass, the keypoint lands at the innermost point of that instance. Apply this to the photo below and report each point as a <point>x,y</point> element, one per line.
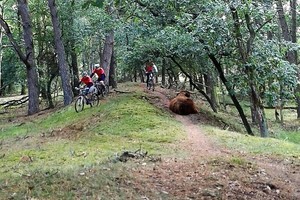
<point>69,155</point>
<point>289,136</point>
<point>288,131</point>
<point>254,145</point>
<point>62,154</point>
<point>38,124</point>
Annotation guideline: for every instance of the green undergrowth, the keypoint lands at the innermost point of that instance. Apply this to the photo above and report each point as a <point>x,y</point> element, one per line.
<point>65,154</point>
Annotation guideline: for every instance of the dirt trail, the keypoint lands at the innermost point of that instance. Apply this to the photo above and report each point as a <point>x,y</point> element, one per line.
<point>197,143</point>
<point>210,172</point>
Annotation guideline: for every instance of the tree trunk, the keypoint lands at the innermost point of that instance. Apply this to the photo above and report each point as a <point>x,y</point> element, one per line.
<point>74,66</point>
<point>260,113</point>
<point>107,54</point>
<point>60,51</point>
<point>1,45</point>
<point>32,75</point>
<point>245,51</point>
<point>163,73</point>
<point>211,89</point>
<point>232,96</point>
<point>112,71</point>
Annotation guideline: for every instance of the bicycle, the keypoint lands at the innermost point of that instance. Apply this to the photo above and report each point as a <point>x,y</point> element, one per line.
<point>83,99</point>
<point>150,84</point>
<point>103,89</point>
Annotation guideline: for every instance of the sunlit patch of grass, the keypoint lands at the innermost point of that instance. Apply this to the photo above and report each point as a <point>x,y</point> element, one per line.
<point>134,119</point>
<point>255,145</point>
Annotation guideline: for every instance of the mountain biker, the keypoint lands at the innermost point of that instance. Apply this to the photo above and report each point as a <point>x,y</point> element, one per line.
<point>100,73</point>
<point>150,68</point>
<point>87,80</point>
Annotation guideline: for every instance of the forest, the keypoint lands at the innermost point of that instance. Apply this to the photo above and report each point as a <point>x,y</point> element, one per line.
<point>228,51</point>
<point>236,60</point>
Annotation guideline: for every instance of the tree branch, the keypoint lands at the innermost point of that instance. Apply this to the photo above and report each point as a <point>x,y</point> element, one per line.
<point>13,42</point>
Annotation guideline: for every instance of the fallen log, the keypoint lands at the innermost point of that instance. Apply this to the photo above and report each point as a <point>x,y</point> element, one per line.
<point>15,102</point>
<point>120,91</point>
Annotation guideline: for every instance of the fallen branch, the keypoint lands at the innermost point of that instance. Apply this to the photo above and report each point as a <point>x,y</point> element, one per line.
<point>15,102</point>
<point>126,155</point>
<point>265,107</point>
<point>119,91</point>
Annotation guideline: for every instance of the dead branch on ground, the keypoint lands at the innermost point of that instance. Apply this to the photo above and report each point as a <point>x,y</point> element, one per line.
<point>15,102</point>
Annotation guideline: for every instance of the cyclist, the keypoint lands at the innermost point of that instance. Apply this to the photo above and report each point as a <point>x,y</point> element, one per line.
<point>87,80</point>
<point>150,68</point>
<point>100,73</point>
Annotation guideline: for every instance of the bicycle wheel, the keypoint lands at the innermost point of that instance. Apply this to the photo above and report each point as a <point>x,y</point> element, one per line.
<point>101,91</point>
<point>94,100</point>
<point>152,85</point>
<point>149,85</point>
<point>79,104</point>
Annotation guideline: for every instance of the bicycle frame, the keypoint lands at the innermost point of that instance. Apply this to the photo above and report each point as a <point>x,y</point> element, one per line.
<point>151,82</point>
<point>101,88</point>
<point>83,99</point>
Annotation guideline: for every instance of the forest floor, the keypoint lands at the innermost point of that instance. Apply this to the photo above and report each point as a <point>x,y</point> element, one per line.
<point>214,172</point>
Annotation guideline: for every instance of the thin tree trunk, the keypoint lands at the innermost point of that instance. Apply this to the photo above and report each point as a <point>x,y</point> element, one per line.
<point>107,54</point>
<point>74,66</point>
<point>1,44</point>
<point>112,71</point>
<point>210,89</point>
<point>245,50</point>
<point>232,96</point>
<point>163,72</point>
<point>290,35</point>
<point>60,51</point>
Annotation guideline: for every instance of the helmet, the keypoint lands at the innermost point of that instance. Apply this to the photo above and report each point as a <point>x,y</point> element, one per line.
<point>84,73</point>
<point>97,65</point>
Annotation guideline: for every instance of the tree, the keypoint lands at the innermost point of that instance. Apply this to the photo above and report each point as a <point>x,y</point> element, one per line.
<point>107,54</point>
<point>60,51</point>
<point>28,57</point>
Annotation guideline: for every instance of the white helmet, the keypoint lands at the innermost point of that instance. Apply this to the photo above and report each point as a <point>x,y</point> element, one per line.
<point>84,73</point>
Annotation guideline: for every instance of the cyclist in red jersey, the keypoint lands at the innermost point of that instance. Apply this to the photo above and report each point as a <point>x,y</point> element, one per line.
<point>100,73</point>
<point>148,70</point>
<point>87,80</point>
